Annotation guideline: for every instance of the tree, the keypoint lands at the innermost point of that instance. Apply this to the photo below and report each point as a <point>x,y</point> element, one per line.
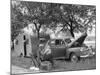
<point>74,18</point>
<point>17,19</point>
<point>36,14</point>
<point>78,17</point>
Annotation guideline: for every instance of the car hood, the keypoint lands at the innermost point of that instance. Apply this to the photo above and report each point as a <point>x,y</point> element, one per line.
<point>79,41</point>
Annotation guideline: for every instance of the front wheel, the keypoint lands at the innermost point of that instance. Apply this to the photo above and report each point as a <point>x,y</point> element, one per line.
<point>74,58</point>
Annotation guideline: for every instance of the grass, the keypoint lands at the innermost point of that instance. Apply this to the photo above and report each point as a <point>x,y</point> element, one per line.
<point>83,64</point>
<point>60,65</point>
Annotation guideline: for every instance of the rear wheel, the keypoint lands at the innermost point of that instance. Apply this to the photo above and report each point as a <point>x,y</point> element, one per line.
<point>74,58</point>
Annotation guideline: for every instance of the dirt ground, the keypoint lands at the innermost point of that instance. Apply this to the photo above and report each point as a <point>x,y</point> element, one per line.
<point>22,65</point>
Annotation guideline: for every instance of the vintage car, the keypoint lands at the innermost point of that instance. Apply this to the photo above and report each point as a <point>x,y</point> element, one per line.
<point>60,48</point>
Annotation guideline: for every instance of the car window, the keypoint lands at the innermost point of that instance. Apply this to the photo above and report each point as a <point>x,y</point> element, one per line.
<point>52,42</point>
<point>59,42</point>
<point>62,42</point>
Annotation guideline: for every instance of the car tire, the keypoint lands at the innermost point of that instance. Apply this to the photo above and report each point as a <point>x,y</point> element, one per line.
<point>74,58</point>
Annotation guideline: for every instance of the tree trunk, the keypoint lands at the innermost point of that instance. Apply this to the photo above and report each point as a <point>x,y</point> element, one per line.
<point>38,35</point>
<point>72,30</point>
<point>37,60</point>
<point>72,33</point>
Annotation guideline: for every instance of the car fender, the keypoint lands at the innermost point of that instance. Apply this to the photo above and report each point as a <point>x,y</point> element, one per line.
<point>73,50</point>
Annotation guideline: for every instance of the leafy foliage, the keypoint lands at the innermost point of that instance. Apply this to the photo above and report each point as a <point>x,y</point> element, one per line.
<point>75,18</point>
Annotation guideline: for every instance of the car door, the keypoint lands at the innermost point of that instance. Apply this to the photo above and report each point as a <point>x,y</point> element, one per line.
<point>58,49</point>
<point>52,47</point>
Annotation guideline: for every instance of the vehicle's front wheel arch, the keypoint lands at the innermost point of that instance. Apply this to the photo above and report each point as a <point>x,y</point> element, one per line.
<point>73,57</point>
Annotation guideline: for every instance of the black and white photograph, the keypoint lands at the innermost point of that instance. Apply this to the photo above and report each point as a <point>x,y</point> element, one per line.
<point>52,37</point>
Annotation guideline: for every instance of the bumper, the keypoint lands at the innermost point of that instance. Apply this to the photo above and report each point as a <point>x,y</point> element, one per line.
<point>88,55</point>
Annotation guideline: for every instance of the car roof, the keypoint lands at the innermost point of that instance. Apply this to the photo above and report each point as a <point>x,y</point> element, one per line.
<point>59,38</point>
<point>56,39</point>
